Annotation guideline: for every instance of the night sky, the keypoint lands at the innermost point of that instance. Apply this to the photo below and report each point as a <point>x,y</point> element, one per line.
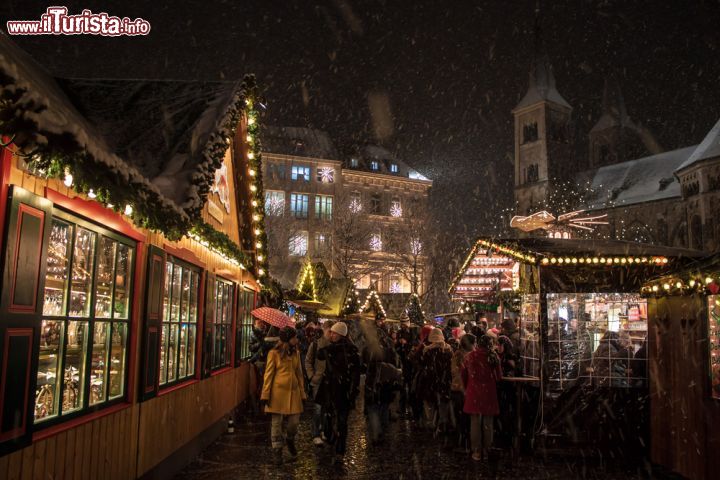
<point>451,72</point>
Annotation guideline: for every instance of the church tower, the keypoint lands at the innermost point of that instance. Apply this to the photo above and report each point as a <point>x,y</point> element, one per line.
<point>615,138</point>
<point>543,153</point>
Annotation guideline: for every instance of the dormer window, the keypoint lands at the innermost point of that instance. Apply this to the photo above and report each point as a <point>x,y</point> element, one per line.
<point>394,168</point>
<point>374,165</point>
<point>353,163</point>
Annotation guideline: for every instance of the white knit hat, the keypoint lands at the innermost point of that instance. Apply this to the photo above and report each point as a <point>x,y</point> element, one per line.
<point>436,336</point>
<point>340,328</point>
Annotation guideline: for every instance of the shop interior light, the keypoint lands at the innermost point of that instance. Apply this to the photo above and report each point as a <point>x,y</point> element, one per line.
<point>708,281</point>
<point>68,180</point>
<point>128,210</point>
<point>91,194</point>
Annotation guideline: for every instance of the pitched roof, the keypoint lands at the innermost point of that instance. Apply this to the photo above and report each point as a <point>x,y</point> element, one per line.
<point>708,148</point>
<point>636,181</point>
<point>542,85</point>
<point>298,141</point>
<point>154,134</point>
<point>369,153</point>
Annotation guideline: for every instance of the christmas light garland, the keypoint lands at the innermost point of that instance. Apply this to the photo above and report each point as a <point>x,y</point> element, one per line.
<point>308,272</point>
<point>687,284</point>
<point>372,295</point>
<point>146,207</point>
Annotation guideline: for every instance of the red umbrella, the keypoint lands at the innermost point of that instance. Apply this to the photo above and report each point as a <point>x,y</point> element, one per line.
<point>272,316</point>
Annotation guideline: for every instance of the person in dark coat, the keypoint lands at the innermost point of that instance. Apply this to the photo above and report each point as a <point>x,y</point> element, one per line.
<point>406,341</point>
<point>480,374</point>
<point>457,390</point>
<point>340,384</point>
<point>315,370</point>
<point>434,378</point>
<point>383,378</point>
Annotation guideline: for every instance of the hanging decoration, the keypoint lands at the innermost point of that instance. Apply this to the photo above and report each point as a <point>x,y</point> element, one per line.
<point>306,285</point>
<point>560,227</point>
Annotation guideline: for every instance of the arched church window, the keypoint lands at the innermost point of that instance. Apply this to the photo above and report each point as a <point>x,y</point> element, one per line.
<point>696,232</point>
<point>530,132</point>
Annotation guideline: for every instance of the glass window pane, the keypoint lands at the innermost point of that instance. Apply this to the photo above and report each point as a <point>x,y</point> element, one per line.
<point>163,355</point>
<point>185,295</point>
<point>104,275</point>
<point>56,275</point>
<point>172,352</point>
<point>194,297</point>
<point>182,351</point>
<point>82,267</point>
<point>98,365</point>
<point>118,346</point>
<point>191,350</point>
<point>122,282</point>
<point>166,294</point>
<point>48,378</point>
<point>74,374</point>
<point>175,299</point>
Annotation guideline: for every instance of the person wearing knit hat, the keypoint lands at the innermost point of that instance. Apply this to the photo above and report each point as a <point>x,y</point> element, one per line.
<point>340,385</point>
<point>433,383</point>
<point>283,392</point>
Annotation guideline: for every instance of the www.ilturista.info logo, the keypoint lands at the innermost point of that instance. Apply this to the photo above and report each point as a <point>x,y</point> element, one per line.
<point>56,21</point>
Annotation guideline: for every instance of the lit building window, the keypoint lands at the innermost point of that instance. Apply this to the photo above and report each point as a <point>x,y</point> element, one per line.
<point>322,243</point>
<point>323,207</point>
<point>396,208</point>
<point>376,242</point>
<point>299,205</point>
<point>353,163</point>
<point>394,168</point>
<point>395,285</point>
<point>374,165</point>
<point>326,175</point>
<point>274,203</point>
<point>300,173</point>
<point>299,244</point>
<point>375,204</point>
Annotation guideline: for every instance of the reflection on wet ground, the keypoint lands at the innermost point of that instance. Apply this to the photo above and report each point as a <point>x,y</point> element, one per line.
<point>406,453</point>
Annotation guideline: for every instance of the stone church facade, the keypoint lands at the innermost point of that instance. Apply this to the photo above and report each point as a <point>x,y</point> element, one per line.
<point>667,197</point>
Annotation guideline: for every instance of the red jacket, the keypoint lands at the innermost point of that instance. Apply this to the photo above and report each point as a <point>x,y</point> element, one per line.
<point>480,381</point>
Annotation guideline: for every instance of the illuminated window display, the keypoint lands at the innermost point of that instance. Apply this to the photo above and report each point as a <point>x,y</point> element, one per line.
<point>598,337</point>
<point>714,341</point>
<point>85,314</point>
<point>179,330</point>
<point>530,335</point>
<point>222,324</point>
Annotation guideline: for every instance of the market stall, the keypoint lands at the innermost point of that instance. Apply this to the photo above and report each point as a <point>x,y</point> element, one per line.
<point>582,321</point>
<point>684,366</point>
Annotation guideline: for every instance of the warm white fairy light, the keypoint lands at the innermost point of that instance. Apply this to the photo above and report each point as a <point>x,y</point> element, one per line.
<point>68,180</point>
<point>128,210</point>
<point>252,172</point>
<point>91,194</point>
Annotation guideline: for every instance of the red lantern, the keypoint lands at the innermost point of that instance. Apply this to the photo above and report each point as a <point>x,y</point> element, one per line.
<point>714,288</point>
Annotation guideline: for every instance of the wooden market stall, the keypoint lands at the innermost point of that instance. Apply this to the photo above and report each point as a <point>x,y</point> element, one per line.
<point>582,323</point>
<point>684,366</point>
<point>132,254</point>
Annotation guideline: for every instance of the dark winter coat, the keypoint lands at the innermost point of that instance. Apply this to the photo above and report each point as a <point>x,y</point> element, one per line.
<point>434,374</point>
<point>256,342</point>
<point>380,363</point>
<point>314,367</point>
<point>610,363</point>
<point>341,382</point>
<point>480,381</point>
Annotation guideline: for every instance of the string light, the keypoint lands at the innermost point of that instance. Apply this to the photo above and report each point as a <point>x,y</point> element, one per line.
<point>68,180</point>
<point>128,210</point>
<point>91,194</point>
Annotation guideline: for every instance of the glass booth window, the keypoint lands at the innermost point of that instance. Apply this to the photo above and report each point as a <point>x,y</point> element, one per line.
<point>714,338</point>
<point>222,324</point>
<point>179,329</point>
<point>85,323</point>
<point>598,338</point>
<point>245,322</point>
<point>530,335</point>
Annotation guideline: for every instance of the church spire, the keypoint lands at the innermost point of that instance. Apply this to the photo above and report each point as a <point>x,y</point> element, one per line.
<point>541,85</point>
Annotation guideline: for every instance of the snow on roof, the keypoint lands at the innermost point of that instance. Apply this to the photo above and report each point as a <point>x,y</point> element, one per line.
<point>542,85</point>
<point>636,181</point>
<point>369,153</point>
<point>155,134</point>
<point>708,148</point>
<point>298,141</point>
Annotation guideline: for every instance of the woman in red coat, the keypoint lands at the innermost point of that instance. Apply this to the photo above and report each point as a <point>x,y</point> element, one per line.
<point>480,374</point>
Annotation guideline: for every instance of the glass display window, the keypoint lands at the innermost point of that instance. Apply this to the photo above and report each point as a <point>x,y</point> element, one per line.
<point>222,324</point>
<point>714,344</point>
<point>245,322</point>
<point>83,341</point>
<point>596,338</point>
<point>530,335</point>
<point>179,330</point>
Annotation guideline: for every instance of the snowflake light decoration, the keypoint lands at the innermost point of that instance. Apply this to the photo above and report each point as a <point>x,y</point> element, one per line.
<point>395,287</point>
<point>415,246</point>
<point>326,174</point>
<point>376,242</point>
<point>275,206</point>
<point>396,209</point>
<point>355,206</point>
<point>298,245</point>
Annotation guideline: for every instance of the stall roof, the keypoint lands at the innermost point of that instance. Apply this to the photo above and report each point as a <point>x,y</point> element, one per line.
<point>701,276</point>
<point>576,252</point>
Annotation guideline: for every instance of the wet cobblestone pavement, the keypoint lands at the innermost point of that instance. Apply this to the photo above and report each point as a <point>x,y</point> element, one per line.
<point>406,453</point>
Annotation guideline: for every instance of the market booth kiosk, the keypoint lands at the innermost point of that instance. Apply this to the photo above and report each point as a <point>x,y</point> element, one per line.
<point>583,328</point>
<point>684,367</point>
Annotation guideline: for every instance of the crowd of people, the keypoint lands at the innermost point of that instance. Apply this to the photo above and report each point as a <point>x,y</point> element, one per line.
<point>444,379</point>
